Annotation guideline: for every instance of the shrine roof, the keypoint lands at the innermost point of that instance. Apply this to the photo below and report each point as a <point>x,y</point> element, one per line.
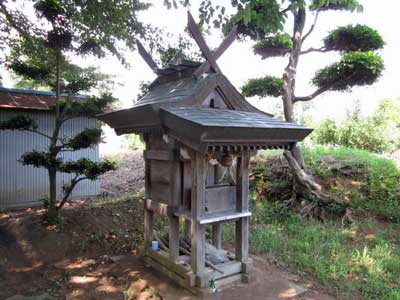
<point>181,90</point>
<point>174,89</point>
<point>202,128</point>
<point>211,117</point>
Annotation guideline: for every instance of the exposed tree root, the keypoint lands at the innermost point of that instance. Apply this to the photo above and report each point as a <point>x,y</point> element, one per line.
<point>306,185</point>
<point>293,199</point>
<point>348,216</point>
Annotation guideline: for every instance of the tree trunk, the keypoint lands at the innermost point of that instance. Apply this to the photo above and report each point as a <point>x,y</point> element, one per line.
<point>289,75</point>
<point>52,211</point>
<point>303,184</point>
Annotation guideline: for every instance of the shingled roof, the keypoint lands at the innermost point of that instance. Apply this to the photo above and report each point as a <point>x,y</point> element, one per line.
<point>207,128</point>
<point>180,91</point>
<point>174,105</point>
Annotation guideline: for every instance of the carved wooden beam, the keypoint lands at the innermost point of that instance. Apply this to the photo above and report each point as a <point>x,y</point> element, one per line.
<point>197,36</point>
<point>230,38</point>
<point>147,58</point>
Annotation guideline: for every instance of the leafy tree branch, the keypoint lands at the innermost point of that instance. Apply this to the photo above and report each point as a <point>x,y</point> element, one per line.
<point>360,64</point>
<point>40,43</point>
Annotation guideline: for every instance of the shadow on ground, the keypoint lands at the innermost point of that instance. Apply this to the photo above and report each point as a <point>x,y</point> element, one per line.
<point>92,256</point>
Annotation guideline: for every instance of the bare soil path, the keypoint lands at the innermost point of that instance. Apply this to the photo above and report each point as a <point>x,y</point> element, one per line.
<point>92,255</point>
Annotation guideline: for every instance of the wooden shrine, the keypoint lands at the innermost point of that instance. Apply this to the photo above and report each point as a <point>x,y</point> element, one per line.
<point>200,134</point>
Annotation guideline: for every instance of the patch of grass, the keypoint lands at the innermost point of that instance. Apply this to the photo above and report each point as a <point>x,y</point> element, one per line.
<point>380,188</point>
<point>358,261</point>
<point>117,200</point>
<point>362,260</point>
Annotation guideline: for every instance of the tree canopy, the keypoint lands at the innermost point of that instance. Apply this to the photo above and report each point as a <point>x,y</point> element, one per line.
<point>278,28</point>
<point>41,38</point>
<point>83,27</point>
<point>360,63</point>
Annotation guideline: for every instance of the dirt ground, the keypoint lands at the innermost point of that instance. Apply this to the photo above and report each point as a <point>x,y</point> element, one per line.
<point>128,178</point>
<point>93,256</point>
<point>93,253</point>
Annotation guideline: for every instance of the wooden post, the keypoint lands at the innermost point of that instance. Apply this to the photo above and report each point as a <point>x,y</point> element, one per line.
<point>148,215</point>
<point>197,207</point>
<point>216,235</point>
<point>148,228</point>
<point>242,205</point>
<point>175,181</point>
<point>187,229</point>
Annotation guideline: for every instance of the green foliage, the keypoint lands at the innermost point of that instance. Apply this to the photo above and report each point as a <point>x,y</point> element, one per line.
<point>363,134</point>
<point>183,48</point>
<point>327,133</point>
<point>358,262</point>
<point>349,5</point>
<point>40,159</point>
<point>379,191</point>
<point>265,86</point>
<point>81,27</point>
<point>256,19</point>
<point>88,107</point>
<point>19,122</point>
<point>361,260</point>
<point>354,69</point>
<point>359,133</point>
<point>390,110</point>
<point>31,58</point>
<point>361,178</point>
<point>33,64</point>
<point>378,132</point>
<point>134,142</point>
<point>85,139</point>
<point>143,89</point>
<point>354,38</point>
<point>90,169</point>
<point>277,45</point>
<point>39,42</point>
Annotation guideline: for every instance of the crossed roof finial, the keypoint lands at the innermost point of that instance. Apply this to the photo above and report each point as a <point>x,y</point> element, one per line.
<point>211,57</point>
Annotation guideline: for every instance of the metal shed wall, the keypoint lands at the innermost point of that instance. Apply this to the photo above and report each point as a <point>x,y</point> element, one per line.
<point>23,186</point>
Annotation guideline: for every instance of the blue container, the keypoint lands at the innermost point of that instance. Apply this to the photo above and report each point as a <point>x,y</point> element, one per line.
<point>154,245</point>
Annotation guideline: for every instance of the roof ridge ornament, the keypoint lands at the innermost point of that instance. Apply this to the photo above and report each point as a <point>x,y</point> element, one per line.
<point>211,57</point>
<point>147,58</point>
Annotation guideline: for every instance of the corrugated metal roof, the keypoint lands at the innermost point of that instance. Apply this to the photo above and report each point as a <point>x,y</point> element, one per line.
<point>29,99</point>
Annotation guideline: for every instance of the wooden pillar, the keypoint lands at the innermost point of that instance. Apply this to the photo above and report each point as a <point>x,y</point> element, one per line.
<point>148,215</point>
<point>187,229</point>
<point>242,205</point>
<point>197,207</point>
<point>175,181</point>
<point>187,185</point>
<point>148,228</point>
<point>216,235</point>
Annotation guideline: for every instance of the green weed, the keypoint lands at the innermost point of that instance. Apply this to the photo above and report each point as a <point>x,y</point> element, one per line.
<point>362,259</point>
<point>380,185</point>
